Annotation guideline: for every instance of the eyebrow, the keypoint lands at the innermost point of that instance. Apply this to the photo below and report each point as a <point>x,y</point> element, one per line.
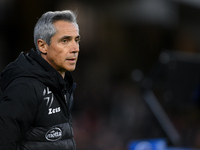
<point>70,37</point>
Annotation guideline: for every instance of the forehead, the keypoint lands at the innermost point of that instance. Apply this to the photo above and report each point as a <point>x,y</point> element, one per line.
<point>65,26</point>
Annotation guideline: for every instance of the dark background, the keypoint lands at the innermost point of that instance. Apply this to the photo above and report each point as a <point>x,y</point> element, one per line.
<point>127,47</point>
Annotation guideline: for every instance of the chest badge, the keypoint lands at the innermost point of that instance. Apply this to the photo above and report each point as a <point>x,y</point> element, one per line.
<point>49,98</point>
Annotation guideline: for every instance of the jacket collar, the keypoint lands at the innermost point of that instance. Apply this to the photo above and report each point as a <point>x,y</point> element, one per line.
<point>67,81</point>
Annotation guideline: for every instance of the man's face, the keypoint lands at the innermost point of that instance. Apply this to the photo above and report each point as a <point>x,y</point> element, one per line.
<point>63,51</point>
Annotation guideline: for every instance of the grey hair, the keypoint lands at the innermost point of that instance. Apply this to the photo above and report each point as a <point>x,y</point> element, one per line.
<point>44,28</point>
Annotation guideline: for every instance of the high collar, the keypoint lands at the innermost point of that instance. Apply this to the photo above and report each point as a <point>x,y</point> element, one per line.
<point>67,81</point>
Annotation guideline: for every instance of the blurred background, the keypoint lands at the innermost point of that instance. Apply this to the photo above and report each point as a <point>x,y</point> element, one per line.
<point>138,70</point>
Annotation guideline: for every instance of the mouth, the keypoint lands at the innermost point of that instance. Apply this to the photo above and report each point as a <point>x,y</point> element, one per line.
<point>72,60</point>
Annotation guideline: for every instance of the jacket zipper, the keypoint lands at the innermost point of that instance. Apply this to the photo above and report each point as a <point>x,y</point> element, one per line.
<point>63,95</point>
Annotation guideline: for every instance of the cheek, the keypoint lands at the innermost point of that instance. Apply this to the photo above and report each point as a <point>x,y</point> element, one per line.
<point>56,54</point>
<point>77,56</point>
<point>54,57</point>
<point>59,57</point>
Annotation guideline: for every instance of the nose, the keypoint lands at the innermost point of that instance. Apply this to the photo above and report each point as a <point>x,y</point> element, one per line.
<point>75,47</point>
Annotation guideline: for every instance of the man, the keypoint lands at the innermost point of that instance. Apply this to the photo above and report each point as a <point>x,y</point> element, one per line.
<point>36,93</point>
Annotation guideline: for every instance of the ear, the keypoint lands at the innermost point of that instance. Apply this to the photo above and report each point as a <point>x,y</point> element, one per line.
<point>42,45</point>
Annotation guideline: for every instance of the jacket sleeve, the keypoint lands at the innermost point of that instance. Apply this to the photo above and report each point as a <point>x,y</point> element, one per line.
<point>18,106</point>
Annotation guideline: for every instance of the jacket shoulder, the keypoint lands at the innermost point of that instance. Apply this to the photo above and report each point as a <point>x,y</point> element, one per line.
<point>27,81</point>
<point>24,87</point>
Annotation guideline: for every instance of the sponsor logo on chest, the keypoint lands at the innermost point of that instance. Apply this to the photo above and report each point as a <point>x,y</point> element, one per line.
<point>53,134</point>
<point>49,98</point>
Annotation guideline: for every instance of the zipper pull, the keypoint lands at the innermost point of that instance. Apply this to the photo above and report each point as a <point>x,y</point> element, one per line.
<point>65,98</point>
<point>65,93</point>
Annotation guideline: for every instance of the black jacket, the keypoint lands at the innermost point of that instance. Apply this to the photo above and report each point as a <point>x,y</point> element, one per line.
<point>35,106</point>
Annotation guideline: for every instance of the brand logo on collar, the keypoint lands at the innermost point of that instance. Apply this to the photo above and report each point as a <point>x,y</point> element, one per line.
<point>53,134</point>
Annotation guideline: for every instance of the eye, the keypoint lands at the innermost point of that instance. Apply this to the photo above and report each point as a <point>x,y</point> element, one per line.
<point>77,40</point>
<point>64,41</point>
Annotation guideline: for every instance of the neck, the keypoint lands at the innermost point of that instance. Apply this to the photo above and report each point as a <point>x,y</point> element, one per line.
<point>62,74</point>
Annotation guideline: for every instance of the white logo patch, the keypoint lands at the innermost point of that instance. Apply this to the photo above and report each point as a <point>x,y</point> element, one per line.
<point>49,98</point>
<point>53,134</point>
<point>54,110</point>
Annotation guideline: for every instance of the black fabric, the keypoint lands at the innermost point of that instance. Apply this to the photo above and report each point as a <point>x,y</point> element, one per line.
<point>1,95</point>
<point>34,111</point>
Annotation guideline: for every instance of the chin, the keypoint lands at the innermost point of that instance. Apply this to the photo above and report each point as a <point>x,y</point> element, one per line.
<point>70,69</point>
